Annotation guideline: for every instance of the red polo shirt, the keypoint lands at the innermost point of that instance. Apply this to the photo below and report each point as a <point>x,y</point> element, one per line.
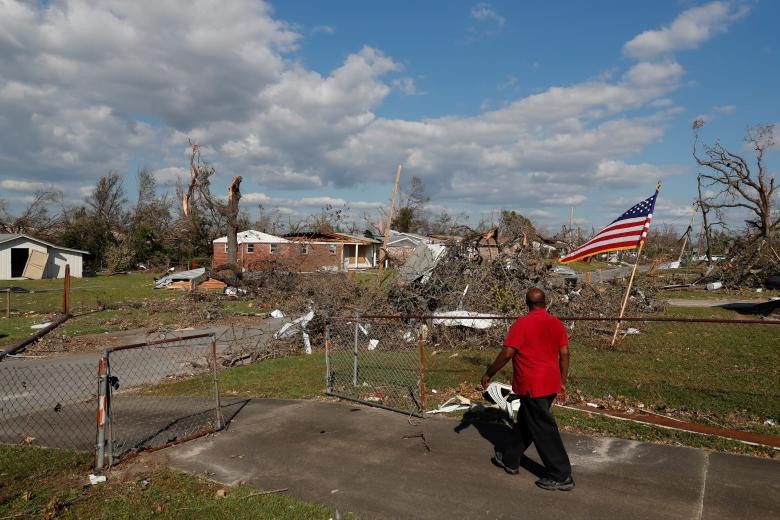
<point>537,339</point>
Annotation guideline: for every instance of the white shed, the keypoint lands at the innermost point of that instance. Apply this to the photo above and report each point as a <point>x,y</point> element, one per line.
<point>22,256</point>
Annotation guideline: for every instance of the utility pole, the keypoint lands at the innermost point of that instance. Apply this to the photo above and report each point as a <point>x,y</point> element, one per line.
<point>386,239</point>
<point>571,224</point>
<point>688,231</point>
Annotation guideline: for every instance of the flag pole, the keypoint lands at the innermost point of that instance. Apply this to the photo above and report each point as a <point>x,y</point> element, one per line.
<point>628,291</point>
<point>631,280</point>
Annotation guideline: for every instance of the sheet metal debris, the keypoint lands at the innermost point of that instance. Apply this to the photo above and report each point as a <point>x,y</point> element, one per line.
<point>472,320</point>
<point>192,275</point>
<point>452,404</point>
<point>292,328</point>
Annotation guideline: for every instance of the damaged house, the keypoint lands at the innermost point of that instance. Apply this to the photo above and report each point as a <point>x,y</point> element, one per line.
<point>305,252</point>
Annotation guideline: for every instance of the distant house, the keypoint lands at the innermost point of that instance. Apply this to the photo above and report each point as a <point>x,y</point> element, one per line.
<point>336,251</point>
<point>400,246</point>
<point>253,247</point>
<point>306,252</point>
<point>23,256</point>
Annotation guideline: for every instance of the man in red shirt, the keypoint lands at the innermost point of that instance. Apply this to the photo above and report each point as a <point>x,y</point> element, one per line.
<point>539,350</point>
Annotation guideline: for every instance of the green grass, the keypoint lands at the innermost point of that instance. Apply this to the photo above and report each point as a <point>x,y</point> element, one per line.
<point>86,293</point>
<point>43,483</point>
<point>96,301</point>
<point>721,294</point>
<point>584,267</point>
<point>299,377</point>
<point>105,304</point>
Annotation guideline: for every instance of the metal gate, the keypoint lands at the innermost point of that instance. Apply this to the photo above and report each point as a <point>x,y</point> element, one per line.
<point>377,362</point>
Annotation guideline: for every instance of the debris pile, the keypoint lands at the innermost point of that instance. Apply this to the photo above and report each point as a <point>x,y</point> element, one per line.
<point>749,266</point>
<point>462,278</point>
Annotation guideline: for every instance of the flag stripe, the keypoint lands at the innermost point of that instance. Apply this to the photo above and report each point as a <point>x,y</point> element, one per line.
<point>604,248</point>
<point>625,232</point>
<point>617,242</point>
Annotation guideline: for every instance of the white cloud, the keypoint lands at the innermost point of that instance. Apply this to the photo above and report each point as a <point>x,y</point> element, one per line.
<point>169,176</point>
<point>484,12</point>
<point>570,200</point>
<point>323,29</point>
<point>407,86</point>
<point>24,186</point>
<point>725,109</point>
<point>687,31</point>
<point>510,82</point>
<point>620,175</point>
<point>88,86</point>
<point>307,203</point>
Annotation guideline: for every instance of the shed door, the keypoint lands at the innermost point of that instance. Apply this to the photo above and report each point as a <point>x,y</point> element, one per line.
<point>36,263</point>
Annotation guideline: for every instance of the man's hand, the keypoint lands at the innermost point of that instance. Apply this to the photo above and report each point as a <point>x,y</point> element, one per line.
<point>561,397</point>
<point>501,359</point>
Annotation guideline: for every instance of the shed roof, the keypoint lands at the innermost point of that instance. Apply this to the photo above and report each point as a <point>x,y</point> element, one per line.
<point>7,237</point>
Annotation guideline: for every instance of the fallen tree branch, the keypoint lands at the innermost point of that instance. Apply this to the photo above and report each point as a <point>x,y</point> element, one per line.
<point>20,346</point>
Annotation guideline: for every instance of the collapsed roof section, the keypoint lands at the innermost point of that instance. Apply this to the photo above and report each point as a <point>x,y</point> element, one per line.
<point>326,237</point>
<point>251,236</point>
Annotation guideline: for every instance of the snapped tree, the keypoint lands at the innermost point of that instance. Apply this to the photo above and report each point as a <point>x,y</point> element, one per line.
<point>198,193</point>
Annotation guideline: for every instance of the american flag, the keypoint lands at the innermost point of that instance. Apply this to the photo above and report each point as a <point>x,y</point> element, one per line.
<point>625,232</point>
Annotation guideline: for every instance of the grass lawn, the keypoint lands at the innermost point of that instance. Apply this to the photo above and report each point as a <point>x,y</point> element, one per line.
<point>721,294</point>
<point>584,267</point>
<point>43,483</point>
<point>107,303</point>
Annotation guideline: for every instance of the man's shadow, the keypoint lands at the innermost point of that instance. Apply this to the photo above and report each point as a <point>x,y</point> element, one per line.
<point>494,426</point>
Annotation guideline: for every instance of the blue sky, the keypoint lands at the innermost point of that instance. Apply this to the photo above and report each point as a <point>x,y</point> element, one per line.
<point>529,106</point>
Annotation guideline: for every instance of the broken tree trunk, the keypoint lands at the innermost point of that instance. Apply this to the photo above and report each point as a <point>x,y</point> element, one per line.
<point>187,197</point>
<point>234,195</point>
<point>386,238</point>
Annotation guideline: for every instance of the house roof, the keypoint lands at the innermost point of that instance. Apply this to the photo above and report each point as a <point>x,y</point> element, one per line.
<point>330,237</point>
<point>7,237</point>
<point>251,236</point>
<point>400,239</point>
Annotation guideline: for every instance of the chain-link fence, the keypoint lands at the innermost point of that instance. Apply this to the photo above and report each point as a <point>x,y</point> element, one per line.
<point>725,372</point>
<point>156,394</point>
<point>50,404</point>
<point>377,361</point>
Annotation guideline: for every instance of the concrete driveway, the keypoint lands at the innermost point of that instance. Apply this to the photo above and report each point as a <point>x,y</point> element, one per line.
<point>381,464</point>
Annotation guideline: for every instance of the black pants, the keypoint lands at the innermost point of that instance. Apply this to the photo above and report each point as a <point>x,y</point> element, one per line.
<point>535,424</point>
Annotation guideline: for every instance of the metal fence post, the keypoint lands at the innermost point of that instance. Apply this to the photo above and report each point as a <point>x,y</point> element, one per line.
<point>109,411</point>
<point>101,413</point>
<point>328,385</point>
<point>218,411</point>
<point>421,346</point>
<point>355,352</point>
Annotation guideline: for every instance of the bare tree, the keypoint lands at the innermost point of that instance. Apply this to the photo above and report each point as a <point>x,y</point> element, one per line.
<point>738,185</point>
<point>705,204</point>
<point>199,188</point>
<point>107,199</point>
<point>198,194</point>
<point>409,215</point>
<point>36,218</point>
